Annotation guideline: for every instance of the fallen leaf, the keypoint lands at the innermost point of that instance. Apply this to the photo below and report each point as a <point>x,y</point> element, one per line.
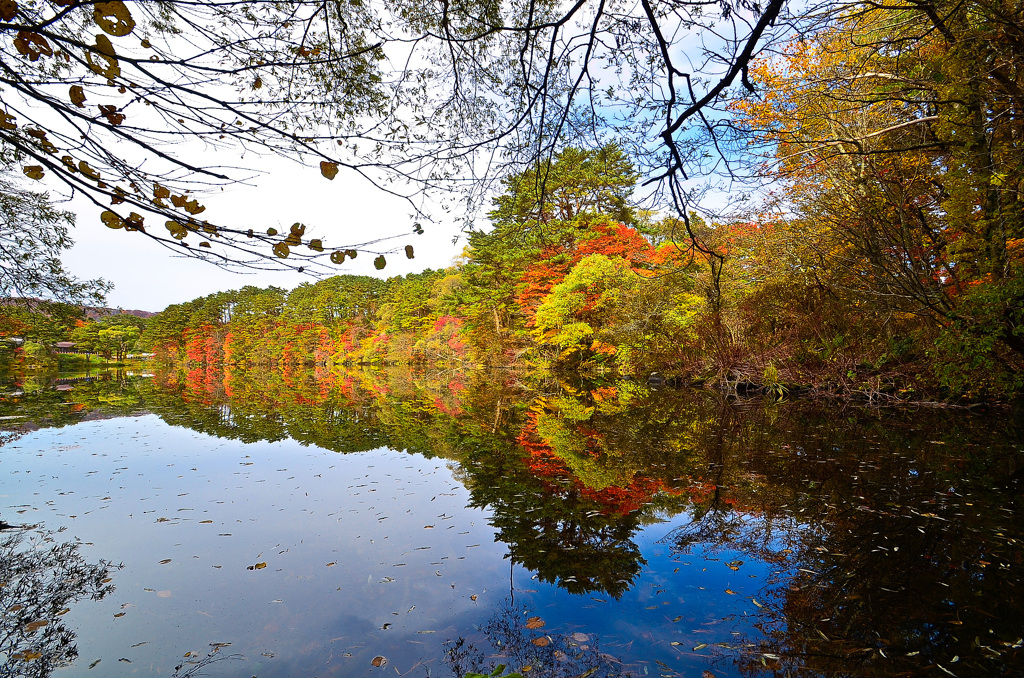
<point>541,642</point>
<point>534,623</point>
<point>379,661</point>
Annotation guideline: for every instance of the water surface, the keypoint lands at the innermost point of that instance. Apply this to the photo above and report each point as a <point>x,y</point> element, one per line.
<point>302,524</point>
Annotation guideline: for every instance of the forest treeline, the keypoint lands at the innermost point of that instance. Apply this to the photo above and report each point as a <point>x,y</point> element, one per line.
<point>883,255</point>
<point>882,252</point>
<point>571,278</point>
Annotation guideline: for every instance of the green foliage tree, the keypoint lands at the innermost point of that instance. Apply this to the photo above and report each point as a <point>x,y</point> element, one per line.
<point>33,235</point>
<point>578,309</point>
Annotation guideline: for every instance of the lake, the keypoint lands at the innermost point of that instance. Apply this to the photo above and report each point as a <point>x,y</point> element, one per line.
<point>305,523</point>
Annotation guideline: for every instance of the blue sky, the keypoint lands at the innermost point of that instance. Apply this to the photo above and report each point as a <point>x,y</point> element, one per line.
<point>346,210</point>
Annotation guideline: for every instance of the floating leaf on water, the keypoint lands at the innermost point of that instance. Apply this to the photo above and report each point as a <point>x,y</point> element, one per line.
<point>119,614</point>
<point>756,602</point>
<point>379,660</point>
<point>730,592</point>
<point>675,642</point>
<point>534,623</point>
<point>541,642</point>
<point>332,564</point>
<point>165,561</point>
<point>26,655</point>
<point>33,172</point>
<point>257,566</point>
<point>699,646</point>
<point>94,663</point>
<point>36,625</point>
<point>205,522</point>
<point>473,597</point>
<point>580,637</point>
<point>380,262</point>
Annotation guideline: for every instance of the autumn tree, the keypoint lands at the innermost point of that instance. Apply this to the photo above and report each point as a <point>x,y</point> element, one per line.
<point>896,133</point>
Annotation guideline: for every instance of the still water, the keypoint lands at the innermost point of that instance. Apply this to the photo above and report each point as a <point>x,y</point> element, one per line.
<point>380,523</point>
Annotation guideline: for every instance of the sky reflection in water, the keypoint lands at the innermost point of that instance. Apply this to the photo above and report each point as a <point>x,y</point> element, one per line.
<point>607,528</point>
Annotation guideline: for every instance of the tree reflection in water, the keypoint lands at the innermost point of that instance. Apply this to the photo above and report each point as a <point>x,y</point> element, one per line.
<point>897,539</point>
<point>893,538</point>
<point>513,638</point>
<point>40,578</point>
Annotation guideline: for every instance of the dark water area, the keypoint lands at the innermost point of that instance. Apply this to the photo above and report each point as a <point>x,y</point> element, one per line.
<point>434,524</point>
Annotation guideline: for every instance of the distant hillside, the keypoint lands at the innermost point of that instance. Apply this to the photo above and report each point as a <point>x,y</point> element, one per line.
<point>95,312</point>
<point>91,312</point>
